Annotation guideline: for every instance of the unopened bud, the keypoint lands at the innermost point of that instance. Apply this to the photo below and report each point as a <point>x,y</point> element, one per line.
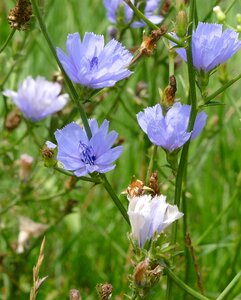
<point>238,18</point>
<point>104,291</point>
<point>112,32</point>
<point>20,15</point>
<point>219,13</point>
<point>74,295</point>
<point>13,120</point>
<point>168,96</point>
<point>238,28</point>
<point>26,162</point>
<point>181,24</point>
<point>49,155</point>
<point>140,276</point>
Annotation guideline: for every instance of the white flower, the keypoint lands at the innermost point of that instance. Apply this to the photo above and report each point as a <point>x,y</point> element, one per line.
<point>149,215</point>
<point>38,98</point>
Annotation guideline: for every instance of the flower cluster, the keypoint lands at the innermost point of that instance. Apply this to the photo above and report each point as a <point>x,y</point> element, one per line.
<point>150,215</point>
<point>90,63</point>
<point>38,98</point>
<point>211,47</point>
<point>170,131</point>
<point>151,6</point>
<point>82,156</point>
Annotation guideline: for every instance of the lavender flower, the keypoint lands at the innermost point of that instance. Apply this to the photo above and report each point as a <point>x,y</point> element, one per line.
<point>170,131</point>
<point>92,64</point>
<point>112,7</point>
<point>149,216</point>
<point>79,154</point>
<point>211,47</point>
<point>38,98</point>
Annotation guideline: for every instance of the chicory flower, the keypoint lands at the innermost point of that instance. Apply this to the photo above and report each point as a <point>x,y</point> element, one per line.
<point>151,6</point>
<point>83,156</point>
<point>170,131</point>
<point>150,215</point>
<point>38,98</point>
<point>91,63</point>
<point>211,46</point>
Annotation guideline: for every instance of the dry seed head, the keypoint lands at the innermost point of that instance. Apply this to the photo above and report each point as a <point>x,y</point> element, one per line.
<point>20,15</point>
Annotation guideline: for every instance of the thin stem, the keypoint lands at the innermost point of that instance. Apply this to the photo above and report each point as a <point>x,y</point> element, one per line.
<point>69,83</point>
<point>150,167</point>
<point>184,286</point>
<point>218,218</point>
<point>222,89</point>
<point>140,15</point>
<point>10,36</point>
<point>229,287</point>
<point>115,198</point>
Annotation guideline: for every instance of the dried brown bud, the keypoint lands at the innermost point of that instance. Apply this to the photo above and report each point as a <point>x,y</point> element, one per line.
<point>13,120</point>
<point>153,184</point>
<point>165,7</point>
<point>104,291</point>
<point>140,273</point>
<point>20,15</point>
<point>169,92</point>
<point>58,77</point>
<point>26,162</point>
<point>135,188</point>
<point>149,42</point>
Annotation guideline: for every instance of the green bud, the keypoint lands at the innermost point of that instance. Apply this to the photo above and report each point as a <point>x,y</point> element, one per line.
<point>49,157</point>
<point>181,24</point>
<point>219,13</point>
<point>180,4</point>
<point>238,18</point>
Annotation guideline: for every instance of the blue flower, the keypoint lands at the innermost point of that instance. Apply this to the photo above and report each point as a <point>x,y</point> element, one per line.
<point>92,64</point>
<point>38,98</point>
<point>82,156</point>
<point>170,131</point>
<point>149,216</point>
<point>112,7</point>
<point>211,47</point>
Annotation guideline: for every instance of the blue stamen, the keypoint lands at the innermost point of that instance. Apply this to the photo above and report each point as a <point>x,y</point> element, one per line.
<point>87,154</point>
<point>94,63</point>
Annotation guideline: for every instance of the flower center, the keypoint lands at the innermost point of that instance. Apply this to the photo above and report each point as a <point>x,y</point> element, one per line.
<point>87,154</point>
<point>94,63</point>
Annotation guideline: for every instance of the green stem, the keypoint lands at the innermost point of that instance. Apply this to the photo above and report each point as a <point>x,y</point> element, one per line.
<point>229,287</point>
<point>115,198</point>
<point>223,88</point>
<point>11,34</point>
<point>69,83</point>
<point>218,218</point>
<point>150,167</point>
<point>140,15</point>
<point>184,286</point>
<point>193,113</point>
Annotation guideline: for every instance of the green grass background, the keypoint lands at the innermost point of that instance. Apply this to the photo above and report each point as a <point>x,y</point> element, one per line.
<point>90,245</point>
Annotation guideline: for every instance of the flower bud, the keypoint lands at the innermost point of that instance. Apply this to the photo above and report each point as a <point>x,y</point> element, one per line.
<point>13,120</point>
<point>219,13</point>
<point>49,155</point>
<point>238,18</point>
<point>180,4</point>
<point>168,96</point>
<point>181,24</point>
<point>20,15</point>
<point>26,162</point>
<point>104,291</point>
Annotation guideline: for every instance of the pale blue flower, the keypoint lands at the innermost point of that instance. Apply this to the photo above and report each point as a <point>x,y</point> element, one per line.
<point>82,156</point>
<point>150,11</point>
<point>90,63</point>
<point>38,98</point>
<point>211,47</point>
<point>149,215</point>
<point>170,131</point>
